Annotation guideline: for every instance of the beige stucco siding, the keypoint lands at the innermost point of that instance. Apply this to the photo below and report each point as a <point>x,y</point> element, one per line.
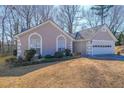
<point>101,35</point>
<point>49,34</point>
<point>79,47</point>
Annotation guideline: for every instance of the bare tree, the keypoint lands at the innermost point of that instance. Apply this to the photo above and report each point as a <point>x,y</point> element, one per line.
<point>69,17</point>
<point>11,25</point>
<point>25,13</point>
<point>91,19</point>
<point>66,16</point>
<point>42,13</point>
<point>4,16</point>
<point>115,19</point>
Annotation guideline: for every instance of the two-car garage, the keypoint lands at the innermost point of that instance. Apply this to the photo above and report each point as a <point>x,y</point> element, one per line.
<point>97,41</point>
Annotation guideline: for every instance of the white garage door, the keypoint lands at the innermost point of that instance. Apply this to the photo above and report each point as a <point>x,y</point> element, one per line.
<point>100,47</point>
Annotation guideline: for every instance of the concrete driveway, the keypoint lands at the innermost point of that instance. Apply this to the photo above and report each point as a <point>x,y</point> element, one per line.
<point>109,57</point>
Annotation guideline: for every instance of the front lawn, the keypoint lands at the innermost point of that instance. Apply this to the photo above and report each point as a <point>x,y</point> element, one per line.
<point>81,72</point>
<point>2,61</point>
<point>3,58</point>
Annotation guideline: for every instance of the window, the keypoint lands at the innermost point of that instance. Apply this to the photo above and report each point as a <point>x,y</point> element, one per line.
<point>35,43</point>
<point>61,49</point>
<point>102,46</point>
<point>61,43</point>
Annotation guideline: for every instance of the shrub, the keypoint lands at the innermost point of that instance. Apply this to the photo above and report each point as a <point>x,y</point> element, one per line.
<point>12,59</point>
<point>29,54</point>
<point>10,62</point>
<point>68,52</point>
<point>15,52</point>
<point>77,54</point>
<point>118,53</point>
<point>20,59</point>
<point>48,56</point>
<point>59,54</point>
<point>39,56</point>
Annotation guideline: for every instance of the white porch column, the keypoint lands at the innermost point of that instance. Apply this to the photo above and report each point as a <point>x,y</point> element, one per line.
<point>18,47</point>
<point>89,48</point>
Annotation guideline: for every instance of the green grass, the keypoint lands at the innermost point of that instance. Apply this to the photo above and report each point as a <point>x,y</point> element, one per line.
<point>57,59</point>
<point>47,59</point>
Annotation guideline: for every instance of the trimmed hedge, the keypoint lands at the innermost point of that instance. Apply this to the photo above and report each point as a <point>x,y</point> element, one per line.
<point>68,52</point>
<point>29,55</point>
<point>13,62</point>
<point>49,56</point>
<point>59,54</point>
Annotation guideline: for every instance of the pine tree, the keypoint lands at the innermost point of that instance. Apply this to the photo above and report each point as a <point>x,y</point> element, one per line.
<point>120,39</point>
<point>102,11</point>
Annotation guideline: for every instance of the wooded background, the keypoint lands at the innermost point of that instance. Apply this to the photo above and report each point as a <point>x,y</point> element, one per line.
<point>71,18</point>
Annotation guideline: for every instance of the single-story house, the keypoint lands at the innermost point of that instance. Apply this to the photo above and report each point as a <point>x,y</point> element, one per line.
<point>48,37</point>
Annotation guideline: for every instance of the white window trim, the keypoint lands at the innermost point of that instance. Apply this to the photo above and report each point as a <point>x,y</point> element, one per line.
<point>29,38</point>
<point>71,47</point>
<point>57,41</point>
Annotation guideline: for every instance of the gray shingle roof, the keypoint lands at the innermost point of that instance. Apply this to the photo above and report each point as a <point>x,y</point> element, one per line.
<point>88,33</point>
<point>72,35</point>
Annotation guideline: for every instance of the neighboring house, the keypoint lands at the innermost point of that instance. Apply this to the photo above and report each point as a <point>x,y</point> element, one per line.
<point>48,37</point>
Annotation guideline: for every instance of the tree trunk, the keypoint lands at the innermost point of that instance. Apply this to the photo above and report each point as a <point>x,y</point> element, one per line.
<point>3,33</point>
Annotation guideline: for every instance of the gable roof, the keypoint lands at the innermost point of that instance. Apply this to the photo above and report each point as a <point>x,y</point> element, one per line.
<point>88,34</point>
<point>40,25</point>
<point>78,36</point>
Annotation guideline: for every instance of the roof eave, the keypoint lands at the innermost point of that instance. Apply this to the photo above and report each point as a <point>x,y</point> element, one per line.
<point>49,21</point>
